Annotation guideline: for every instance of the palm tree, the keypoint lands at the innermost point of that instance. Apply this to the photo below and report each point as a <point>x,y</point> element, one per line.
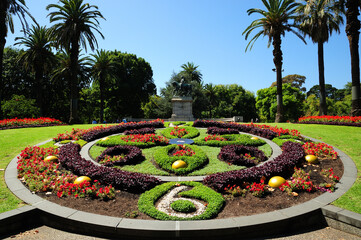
<point>352,31</point>
<point>274,24</point>
<point>38,57</point>
<point>7,9</point>
<point>75,23</point>
<point>210,92</point>
<point>103,67</point>
<point>191,71</point>
<point>318,19</point>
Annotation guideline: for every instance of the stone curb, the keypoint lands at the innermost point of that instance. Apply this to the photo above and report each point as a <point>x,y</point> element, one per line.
<point>282,221</point>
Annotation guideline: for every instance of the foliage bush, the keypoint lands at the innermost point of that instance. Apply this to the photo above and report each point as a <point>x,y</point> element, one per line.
<point>127,155</point>
<point>239,139</point>
<point>241,155</point>
<point>165,161</point>
<point>214,200</point>
<point>285,138</point>
<point>191,132</point>
<point>282,165</point>
<point>139,131</point>
<point>20,107</point>
<point>70,158</point>
<point>183,206</point>
<point>221,131</point>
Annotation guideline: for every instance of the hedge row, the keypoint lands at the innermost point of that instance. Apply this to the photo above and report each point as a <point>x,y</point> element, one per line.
<point>232,139</point>
<point>214,200</point>
<point>139,131</point>
<point>120,128</point>
<point>151,140</point>
<point>132,155</point>
<point>221,131</point>
<point>266,133</point>
<point>162,158</point>
<point>70,158</point>
<point>282,165</point>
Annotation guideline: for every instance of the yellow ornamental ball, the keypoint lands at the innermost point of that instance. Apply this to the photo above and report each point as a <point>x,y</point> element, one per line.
<point>81,179</point>
<point>254,138</point>
<point>276,181</point>
<point>51,159</point>
<point>311,159</point>
<point>104,139</point>
<point>179,164</point>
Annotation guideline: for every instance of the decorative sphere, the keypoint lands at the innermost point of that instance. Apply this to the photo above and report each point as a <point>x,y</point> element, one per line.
<point>276,181</point>
<point>81,179</point>
<point>254,138</point>
<point>179,164</point>
<point>104,139</point>
<point>51,159</point>
<point>311,159</point>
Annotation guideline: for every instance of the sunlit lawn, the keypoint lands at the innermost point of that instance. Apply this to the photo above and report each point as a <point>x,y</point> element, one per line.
<point>345,138</point>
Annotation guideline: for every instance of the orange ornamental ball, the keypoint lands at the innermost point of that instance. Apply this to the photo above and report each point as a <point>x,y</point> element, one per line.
<point>311,159</point>
<point>51,159</point>
<point>81,179</point>
<point>104,139</point>
<point>254,138</point>
<point>276,181</point>
<point>179,164</point>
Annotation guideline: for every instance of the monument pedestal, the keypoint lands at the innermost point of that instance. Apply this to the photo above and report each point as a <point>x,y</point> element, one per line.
<point>182,109</point>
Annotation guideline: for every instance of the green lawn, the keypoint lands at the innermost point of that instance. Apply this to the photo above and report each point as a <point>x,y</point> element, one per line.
<point>345,138</point>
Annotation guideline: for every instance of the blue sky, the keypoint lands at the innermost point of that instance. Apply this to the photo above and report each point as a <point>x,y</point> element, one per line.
<point>169,33</point>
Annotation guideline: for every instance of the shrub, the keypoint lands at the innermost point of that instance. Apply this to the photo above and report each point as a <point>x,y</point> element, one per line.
<point>282,165</point>
<point>140,131</point>
<point>221,131</point>
<point>120,155</point>
<point>19,106</point>
<point>165,161</point>
<point>180,132</point>
<point>214,200</point>
<point>241,155</point>
<point>184,206</point>
<point>70,158</point>
<point>238,139</point>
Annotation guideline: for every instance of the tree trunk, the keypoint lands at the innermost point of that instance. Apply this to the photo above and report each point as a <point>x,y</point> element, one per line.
<point>74,54</point>
<point>38,89</point>
<point>277,59</point>
<point>352,31</point>
<point>3,33</point>
<point>101,89</point>
<point>321,78</point>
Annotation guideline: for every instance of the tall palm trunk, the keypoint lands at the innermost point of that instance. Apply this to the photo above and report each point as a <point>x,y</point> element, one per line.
<point>74,54</point>
<point>277,59</point>
<point>352,31</point>
<point>101,89</point>
<point>3,31</point>
<point>321,78</point>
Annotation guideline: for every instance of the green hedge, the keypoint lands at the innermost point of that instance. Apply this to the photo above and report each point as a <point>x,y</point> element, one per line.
<point>115,140</point>
<point>183,206</point>
<point>236,139</point>
<point>214,200</point>
<point>285,138</point>
<point>162,158</point>
<point>192,132</point>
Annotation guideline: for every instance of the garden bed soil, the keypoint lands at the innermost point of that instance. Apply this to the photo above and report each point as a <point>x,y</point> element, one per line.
<point>126,204</point>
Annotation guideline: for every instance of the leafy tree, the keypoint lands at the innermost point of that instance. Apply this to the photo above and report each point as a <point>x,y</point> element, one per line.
<point>20,107</point>
<point>295,80</point>
<point>210,93</point>
<point>318,19</point>
<point>103,68</point>
<point>7,9</point>
<point>74,26</point>
<point>133,85</point>
<point>38,58</point>
<point>274,24</point>
<point>330,91</point>
<point>266,103</point>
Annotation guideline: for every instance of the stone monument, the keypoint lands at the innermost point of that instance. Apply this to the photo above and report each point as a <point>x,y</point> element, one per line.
<point>182,102</point>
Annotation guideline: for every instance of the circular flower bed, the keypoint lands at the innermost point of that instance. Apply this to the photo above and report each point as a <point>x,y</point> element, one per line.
<point>229,139</point>
<point>192,155</point>
<point>139,140</point>
<point>180,132</point>
<point>241,155</point>
<point>120,155</point>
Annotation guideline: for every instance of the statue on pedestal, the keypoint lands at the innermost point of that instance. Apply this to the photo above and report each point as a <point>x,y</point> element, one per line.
<point>182,88</point>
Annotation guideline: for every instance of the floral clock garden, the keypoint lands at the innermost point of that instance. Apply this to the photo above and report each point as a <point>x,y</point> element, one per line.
<point>240,174</point>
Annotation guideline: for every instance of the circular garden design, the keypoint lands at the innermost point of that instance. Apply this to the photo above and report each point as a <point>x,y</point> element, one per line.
<point>130,162</point>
